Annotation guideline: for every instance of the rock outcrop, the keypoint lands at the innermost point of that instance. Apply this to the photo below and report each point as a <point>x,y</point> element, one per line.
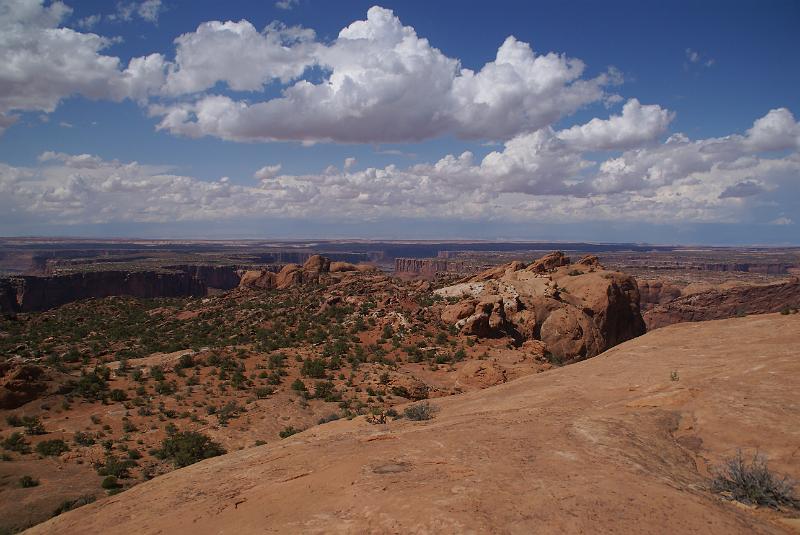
<point>33,293</point>
<point>315,269</point>
<point>725,302</point>
<point>577,310</point>
<point>21,383</point>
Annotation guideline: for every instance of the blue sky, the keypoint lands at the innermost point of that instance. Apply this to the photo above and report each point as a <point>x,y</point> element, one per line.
<point>546,159</point>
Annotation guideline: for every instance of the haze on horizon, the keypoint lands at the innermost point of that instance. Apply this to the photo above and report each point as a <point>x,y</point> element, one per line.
<point>302,118</point>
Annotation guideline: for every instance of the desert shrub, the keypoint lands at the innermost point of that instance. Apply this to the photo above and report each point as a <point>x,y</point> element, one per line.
<point>110,482</point>
<point>188,447</point>
<point>16,442</point>
<point>753,483</point>
<point>27,482</point>
<point>329,418</point>
<point>33,426</point>
<point>69,505</point>
<point>13,420</point>
<point>118,395</point>
<point>326,390</point>
<point>401,391</point>
<point>83,439</point>
<point>91,385</point>
<point>186,361</point>
<point>419,411</point>
<point>288,431</point>
<point>299,386</point>
<point>264,391</point>
<point>119,468</point>
<point>313,368</point>
<point>51,448</point>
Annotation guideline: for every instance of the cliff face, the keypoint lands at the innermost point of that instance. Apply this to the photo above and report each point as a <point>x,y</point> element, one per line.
<point>725,303</point>
<point>8,297</point>
<point>657,292</point>
<point>427,266</point>
<point>221,277</point>
<point>32,293</point>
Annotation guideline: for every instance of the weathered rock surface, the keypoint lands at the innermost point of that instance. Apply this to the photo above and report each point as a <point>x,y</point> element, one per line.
<point>725,302</point>
<point>21,383</point>
<point>609,445</point>
<point>578,310</point>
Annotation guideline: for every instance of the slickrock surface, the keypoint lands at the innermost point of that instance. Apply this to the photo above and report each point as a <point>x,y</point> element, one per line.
<point>608,445</point>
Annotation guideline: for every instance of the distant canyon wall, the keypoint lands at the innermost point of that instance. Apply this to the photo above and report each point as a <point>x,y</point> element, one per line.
<point>428,266</point>
<point>32,293</point>
<point>720,303</point>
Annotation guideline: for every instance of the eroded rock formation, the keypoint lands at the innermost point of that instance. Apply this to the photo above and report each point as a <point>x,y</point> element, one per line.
<point>577,310</point>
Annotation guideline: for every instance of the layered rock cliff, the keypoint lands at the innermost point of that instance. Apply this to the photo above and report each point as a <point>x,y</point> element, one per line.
<point>726,302</point>
<point>428,266</point>
<point>31,293</point>
<point>223,277</point>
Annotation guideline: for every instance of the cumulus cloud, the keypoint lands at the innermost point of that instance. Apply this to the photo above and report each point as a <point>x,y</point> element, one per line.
<point>377,81</point>
<point>637,124</point>
<point>267,172</point>
<point>382,83</point>
<point>42,63</point>
<point>777,130</point>
<point>534,177</point>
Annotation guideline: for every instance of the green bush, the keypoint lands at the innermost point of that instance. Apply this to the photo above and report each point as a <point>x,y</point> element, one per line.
<point>33,426</point>
<point>110,482</point>
<point>288,431</point>
<point>27,482</point>
<point>313,368</point>
<point>16,442</point>
<point>118,395</point>
<point>188,447</point>
<point>51,448</point>
<point>83,439</point>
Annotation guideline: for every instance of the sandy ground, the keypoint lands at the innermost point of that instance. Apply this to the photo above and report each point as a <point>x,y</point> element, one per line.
<point>609,445</point>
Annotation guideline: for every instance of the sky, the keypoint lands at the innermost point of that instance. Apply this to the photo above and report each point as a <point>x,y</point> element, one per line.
<point>658,122</point>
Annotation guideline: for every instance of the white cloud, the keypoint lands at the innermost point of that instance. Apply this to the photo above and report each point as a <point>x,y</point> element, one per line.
<point>781,221</point>
<point>287,4</point>
<point>349,163</point>
<point>637,124</point>
<point>204,57</point>
<point>777,130</point>
<point>267,172</point>
<point>147,10</point>
<point>383,83</point>
<point>537,177</point>
<point>42,63</point>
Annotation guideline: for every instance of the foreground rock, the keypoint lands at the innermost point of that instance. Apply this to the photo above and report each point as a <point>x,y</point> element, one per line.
<point>725,301</point>
<point>611,444</point>
<point>578,310</point>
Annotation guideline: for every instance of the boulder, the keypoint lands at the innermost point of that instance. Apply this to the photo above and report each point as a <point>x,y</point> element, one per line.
<point>549,262</point>
<point>258,279</point>
<point>317,265</point>
<point>463,309</point>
